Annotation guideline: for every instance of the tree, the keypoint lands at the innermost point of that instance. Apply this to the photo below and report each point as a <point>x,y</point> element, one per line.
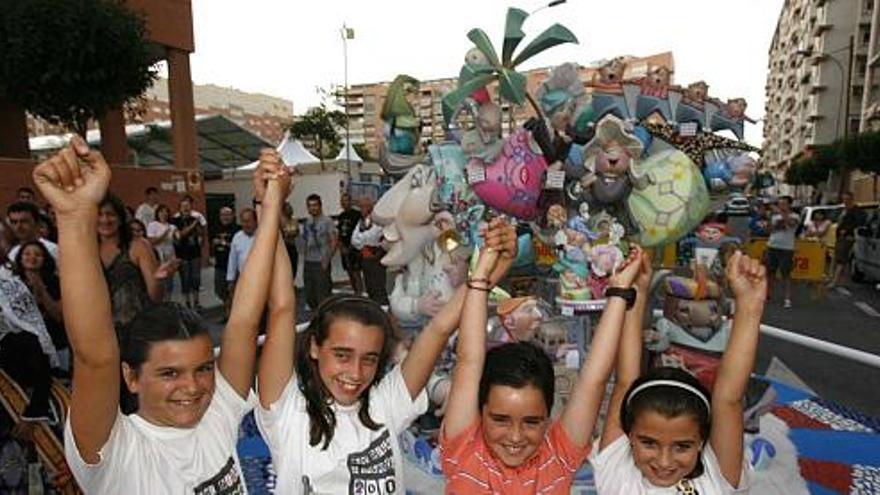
<point>319,125</point>
<point>363,151</point>
<point>70,62</point>
<point>511,84</point>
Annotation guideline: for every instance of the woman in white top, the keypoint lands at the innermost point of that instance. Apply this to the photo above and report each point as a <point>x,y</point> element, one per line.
<point>331,405</point>
<point>161,233</point>
<point>664,433</point>
<point>182,436</point>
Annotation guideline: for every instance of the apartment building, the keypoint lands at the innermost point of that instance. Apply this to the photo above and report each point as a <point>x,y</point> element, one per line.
<point>820,84</point>
<point>365,100</point>
<point>266,116</point>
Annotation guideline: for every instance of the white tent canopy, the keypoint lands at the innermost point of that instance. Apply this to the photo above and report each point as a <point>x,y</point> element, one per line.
<point>292,152</point>
<point>352,155</point>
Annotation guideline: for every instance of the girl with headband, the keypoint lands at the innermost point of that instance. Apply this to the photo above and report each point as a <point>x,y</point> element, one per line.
<point>665,434</point>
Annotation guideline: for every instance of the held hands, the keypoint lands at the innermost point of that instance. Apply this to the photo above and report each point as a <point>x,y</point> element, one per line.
<point>271,168</point>
<point>632,267</point>
<point>500,237</point>
<point>646,271</point>
<point>747,279</point>
<point>74,180</point>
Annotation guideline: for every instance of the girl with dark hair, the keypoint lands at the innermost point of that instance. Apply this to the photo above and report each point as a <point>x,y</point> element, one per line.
<point>665,433</point>
<point>331,403</point>
<point>36,268</point>
<point>182,437</point>
<point>497,434</point>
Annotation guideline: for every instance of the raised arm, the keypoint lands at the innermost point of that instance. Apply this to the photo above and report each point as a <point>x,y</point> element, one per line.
<point>74,181</point>
<point>747,279</point>
<point>239,347</point>
<point>419,362</point>
<point>462,407</point>
<point>276,361</point>
<point>579,415</point>
<point>629,354</point>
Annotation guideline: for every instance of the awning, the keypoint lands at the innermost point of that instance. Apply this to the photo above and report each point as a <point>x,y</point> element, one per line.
<point>222,144</point>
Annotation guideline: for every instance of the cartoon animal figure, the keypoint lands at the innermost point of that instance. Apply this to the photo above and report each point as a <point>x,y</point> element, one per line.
<point>652,101</point>
<point>607,97</point>
<point>402,124</point>
<point>692,106</point>
<point>613,160</point>
<point>610,74</point>
<point>731,117</point>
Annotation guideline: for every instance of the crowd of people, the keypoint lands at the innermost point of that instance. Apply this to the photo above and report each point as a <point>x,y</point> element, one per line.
<point>780,225</point>
<point>330,401</point>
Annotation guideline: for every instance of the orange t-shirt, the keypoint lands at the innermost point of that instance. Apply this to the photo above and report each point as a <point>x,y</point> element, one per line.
<point>471,468</point>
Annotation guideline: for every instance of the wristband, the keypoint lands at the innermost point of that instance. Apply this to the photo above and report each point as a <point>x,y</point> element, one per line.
<point>628,295</point>
<point>475,287</point>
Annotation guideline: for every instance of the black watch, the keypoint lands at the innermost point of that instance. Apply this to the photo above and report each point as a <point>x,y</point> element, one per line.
<point>628,295</point>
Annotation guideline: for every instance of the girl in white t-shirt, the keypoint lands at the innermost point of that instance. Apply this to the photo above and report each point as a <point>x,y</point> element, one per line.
<point>664,433</point>
<point>329,411</point>
<point>182,437</point>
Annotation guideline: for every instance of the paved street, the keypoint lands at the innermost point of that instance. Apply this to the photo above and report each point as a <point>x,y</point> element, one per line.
<point>846,317</point>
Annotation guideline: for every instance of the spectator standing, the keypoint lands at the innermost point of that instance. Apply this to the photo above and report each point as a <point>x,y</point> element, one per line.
<point>26,195</point>
<point>290,233</point>
<point>220,243</point>
<point>22,218</point>
<point>367,240</point>
<point>188,248</point>
<point>240,246</point>
<point>146,211</point>
<point>162,233</point>
<point>851,219</point>
<point>131,269</point>
<point>320,240</point>
<point>780,247</point>
<point>818,226</point>
<point>351,258</point>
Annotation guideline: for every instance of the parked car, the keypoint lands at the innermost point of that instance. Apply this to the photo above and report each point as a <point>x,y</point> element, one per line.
<point>866,254</point>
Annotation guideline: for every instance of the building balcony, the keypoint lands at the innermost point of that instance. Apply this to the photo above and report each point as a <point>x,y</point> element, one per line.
<point>822,22</point>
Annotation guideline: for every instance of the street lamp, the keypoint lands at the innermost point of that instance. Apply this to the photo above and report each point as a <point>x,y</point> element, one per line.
<point>347,34</point>
<point>554,3</point>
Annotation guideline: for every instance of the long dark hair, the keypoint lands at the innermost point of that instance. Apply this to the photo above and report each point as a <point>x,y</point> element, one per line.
<point>322,419</point>
<point>124,234</point>
<point>48,272</point>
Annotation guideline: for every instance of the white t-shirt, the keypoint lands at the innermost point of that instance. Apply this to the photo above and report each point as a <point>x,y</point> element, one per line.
<point>782,234</point>
<point>358,459</point>
<point>617,474</point>
<point>146,213</point>
<point>166,247</point>
<point>142,458</point>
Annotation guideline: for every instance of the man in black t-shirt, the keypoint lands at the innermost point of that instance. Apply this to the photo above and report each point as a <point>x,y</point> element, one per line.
<point>188,248</point>
<point>851,219</point>
<point>351,258</point>
<point>220,242</point>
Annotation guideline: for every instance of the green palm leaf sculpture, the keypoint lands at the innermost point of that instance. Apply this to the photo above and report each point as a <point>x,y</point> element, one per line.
<point>511,84</point>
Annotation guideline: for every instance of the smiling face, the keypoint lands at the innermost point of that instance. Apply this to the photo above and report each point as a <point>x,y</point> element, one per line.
<point>404,212</point>
<point>108,221</point>
<point>32,258</point>
<point>348,359</point>
<point>514,422</point>
<point>665,449</point>
<point>176,383</point>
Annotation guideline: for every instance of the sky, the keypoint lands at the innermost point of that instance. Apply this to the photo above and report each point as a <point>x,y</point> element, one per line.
<point>289,48</point>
